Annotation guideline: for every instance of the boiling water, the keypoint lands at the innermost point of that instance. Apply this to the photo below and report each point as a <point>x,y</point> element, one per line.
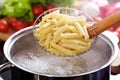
<point>55,65</point>
<point>50,64</point>
<point>36,60</point>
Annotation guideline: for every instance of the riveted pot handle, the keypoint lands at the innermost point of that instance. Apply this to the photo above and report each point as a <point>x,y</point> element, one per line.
<point>6,66</point>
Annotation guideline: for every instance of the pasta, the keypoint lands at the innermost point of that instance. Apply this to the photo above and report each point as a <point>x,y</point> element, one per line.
<point>63,35</point>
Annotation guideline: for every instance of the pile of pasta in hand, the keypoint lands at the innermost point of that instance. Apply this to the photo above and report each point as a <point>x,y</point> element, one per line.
<point>63,34</point>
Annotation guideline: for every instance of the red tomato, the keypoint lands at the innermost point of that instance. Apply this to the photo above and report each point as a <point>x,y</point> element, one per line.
<point>12,21</point>
<point>17,24</point>
<point>4,26</point>
<point>31,23</point>
<point>38,9</point>
<point>51,6</point>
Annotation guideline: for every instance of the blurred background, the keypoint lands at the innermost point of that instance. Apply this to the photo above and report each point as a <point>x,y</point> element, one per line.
<point>18,14</point>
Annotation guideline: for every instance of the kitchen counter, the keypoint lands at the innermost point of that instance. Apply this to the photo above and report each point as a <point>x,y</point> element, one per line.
<point>115,77</point>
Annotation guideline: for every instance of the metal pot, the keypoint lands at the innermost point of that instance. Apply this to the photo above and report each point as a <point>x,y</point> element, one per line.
<point>23,52</point>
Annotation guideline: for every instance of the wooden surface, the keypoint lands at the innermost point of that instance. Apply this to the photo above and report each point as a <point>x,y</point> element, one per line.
<point>4,36</point>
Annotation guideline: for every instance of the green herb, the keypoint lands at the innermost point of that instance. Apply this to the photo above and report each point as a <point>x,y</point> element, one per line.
<point>43,2</point>
<point>18,8</point>
<point>62,3</point>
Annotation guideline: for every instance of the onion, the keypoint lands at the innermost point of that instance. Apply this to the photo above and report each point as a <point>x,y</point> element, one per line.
<point>114,8</point>
<point>90,9</point>
<point>103,6</point>
<point>100,3</point>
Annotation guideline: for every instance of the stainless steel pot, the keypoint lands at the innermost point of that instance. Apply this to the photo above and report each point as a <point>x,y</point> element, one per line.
<point>23,52</point>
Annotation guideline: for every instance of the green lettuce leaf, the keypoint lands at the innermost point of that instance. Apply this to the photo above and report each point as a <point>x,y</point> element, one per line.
<point>18,8</point>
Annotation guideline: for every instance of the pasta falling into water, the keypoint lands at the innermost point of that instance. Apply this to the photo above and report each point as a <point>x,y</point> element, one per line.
<point>63,34</point>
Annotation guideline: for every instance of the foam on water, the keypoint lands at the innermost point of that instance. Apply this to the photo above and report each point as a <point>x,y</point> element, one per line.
<point>50,64</point>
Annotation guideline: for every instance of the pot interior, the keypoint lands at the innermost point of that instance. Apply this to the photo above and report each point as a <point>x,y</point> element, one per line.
<point>24,52</point>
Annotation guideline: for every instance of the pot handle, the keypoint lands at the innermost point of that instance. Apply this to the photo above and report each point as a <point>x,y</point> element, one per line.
<point>5,66</point>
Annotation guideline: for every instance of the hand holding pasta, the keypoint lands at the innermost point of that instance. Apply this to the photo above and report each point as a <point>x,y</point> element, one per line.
<point>63,34</point>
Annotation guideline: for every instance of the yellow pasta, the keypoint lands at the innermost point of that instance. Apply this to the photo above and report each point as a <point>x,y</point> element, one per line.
<point>63,35</point>
<point>57,52</point>
<point>56,39</point>
<point>72,46</point>
<point>86,33</point>
<point>46,25</point>
<point>74,41</point>
<point>61,22</point>
<point>62,49</point>
<point>52,15</point>
<point>61,30</point>
<point>47,41</point>
<point>47,30</point>
<point>79,28</point>
<point>70,35</point>
<point>72,19</point>
<point>72,28</point>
